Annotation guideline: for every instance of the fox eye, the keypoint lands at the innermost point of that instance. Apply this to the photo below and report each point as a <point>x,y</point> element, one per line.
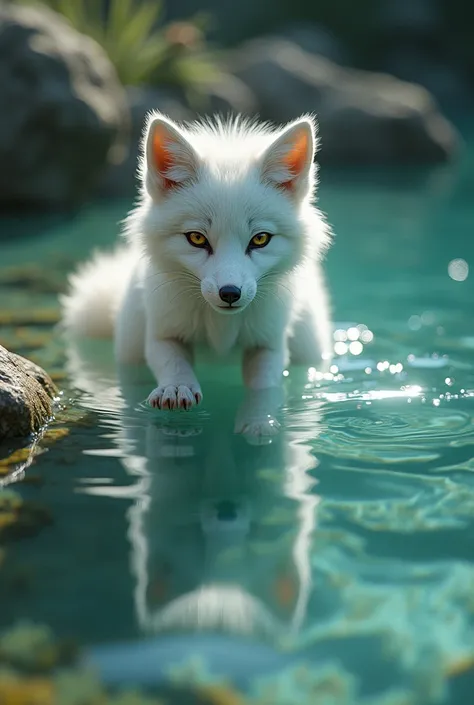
<point>197,240</point>
<point>259,240</point>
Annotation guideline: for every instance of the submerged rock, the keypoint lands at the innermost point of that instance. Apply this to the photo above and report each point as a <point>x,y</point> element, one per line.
<point>26,395</point>
<point>364,117</point>
<point>20,518</point>
<point>66,109</point>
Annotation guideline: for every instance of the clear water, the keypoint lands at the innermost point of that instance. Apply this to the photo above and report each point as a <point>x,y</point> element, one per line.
<point>335,565</point>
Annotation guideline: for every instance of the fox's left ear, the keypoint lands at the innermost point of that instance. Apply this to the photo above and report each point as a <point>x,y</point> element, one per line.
<point>288,162</point>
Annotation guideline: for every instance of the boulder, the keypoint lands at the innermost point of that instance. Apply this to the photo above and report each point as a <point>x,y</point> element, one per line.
<point>364,117</point>
<point>447,82</point>
<point>26,396</point>
<point>228,95</point>
<point>120,179</point>
<point>63,113</point>
<point>316,39</point>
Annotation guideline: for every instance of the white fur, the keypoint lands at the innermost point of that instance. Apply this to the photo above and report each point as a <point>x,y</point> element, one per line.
<point>228,181</point>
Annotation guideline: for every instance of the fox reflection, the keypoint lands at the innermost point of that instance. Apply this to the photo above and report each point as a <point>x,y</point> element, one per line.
<point>220,529</point>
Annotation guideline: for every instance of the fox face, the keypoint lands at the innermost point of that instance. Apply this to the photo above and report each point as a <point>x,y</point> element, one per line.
<point>225,207</point>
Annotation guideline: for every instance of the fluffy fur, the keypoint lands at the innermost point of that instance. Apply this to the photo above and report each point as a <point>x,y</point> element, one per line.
<point>159,295</point>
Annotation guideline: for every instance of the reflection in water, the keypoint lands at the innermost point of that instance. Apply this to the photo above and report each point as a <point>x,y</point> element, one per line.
<point>223,541</point>
<point>220,529</point>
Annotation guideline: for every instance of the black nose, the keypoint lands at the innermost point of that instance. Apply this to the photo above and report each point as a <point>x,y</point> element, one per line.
<point>229,293</point>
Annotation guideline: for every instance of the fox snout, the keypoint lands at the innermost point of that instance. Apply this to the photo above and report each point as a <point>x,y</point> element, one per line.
<point>228,297</point>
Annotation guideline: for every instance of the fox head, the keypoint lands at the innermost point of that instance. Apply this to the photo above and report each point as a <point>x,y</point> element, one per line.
<point>229,204</point>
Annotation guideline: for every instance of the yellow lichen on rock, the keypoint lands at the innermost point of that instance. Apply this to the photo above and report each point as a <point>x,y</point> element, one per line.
<point>221,695</point>
<point>25,691</point>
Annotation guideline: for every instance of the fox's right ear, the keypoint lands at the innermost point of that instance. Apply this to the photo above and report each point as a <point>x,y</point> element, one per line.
<point>170,160</point>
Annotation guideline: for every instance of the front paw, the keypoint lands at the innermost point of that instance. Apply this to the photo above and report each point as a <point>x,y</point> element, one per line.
<point>256,417</point>
<point>258,430</point>
<point>180,396</point>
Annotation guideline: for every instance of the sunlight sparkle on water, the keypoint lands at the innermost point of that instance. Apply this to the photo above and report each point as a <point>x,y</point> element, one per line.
<point>352,339</point>
<point>408,393</point>
<point>356,347</point>
<point>366,336</point>
<point>340,348</point>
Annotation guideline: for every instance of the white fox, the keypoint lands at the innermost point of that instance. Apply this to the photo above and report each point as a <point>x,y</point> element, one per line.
<point>223,251</point>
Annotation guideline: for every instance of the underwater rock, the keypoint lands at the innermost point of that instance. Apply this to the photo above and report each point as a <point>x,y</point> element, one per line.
<point>67,112</point>
<point>364,117</point>
<point>19,518</point>
<point>26,396</point>
<point>37,668</point>
<point>39,317</point>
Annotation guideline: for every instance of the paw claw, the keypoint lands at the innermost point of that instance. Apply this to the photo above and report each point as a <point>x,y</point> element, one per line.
<point>180,396</point>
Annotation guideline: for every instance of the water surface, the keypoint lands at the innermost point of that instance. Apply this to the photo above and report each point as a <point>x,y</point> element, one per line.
<point>334,565</point>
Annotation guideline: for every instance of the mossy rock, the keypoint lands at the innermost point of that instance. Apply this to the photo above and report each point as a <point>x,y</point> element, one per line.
<point>21,519</point>
<point>26,396</point>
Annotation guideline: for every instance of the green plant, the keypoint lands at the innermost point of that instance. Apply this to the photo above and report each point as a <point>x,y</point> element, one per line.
<point>141,50</point>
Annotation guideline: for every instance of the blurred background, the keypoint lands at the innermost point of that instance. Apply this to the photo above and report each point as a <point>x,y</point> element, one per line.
<point>392,82</point>
<point>382,471</point>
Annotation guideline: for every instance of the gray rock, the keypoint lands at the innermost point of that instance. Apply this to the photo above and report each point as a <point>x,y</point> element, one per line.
<point>120,179</point>
<point>448,83</point>
<point>316,39</point>
<point>364,117</point>
<point>228,95</point>
<point>63,109</point>
<point>26,394</point>
<point>410,17</point>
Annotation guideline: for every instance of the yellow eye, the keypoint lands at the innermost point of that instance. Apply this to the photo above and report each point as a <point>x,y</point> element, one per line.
<point>259,240</point>
<point>197,240</point>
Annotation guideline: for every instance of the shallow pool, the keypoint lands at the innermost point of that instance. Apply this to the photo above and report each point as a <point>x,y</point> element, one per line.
<point>334,565</point>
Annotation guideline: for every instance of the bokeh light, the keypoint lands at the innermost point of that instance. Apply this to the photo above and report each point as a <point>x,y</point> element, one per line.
<point>458,269</point>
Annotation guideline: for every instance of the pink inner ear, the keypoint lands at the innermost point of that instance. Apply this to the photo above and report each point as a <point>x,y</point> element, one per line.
<point>295,159</point>
<point>162,155</point>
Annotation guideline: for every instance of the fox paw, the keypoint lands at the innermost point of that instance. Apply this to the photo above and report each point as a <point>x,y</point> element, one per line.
<point>179,396</point>
<point>258,431</point>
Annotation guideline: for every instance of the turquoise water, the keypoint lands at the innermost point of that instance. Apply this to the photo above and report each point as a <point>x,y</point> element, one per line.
<point>334,565</point>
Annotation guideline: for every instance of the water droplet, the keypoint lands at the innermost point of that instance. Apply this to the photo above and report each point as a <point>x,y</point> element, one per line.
<point>414,323</point>
<point>458,269</point>
<point>427,318</point>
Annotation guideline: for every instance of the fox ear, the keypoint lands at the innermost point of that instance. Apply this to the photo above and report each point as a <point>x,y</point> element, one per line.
<point>170,159</point>
<point>288,161</point>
